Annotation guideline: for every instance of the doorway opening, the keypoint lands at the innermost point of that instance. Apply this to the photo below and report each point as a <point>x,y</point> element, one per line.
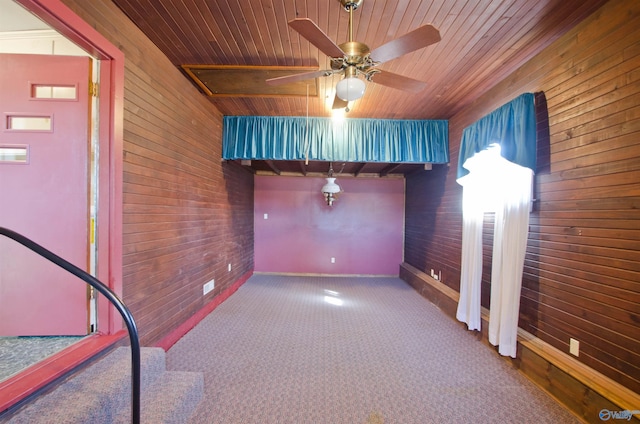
<point>50,29</point>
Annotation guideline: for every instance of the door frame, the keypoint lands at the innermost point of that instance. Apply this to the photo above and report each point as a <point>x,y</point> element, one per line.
<point>109,214</point>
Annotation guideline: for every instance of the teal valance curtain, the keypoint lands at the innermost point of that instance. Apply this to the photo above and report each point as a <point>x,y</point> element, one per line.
<point>512,126</point>
<point>352,140</point>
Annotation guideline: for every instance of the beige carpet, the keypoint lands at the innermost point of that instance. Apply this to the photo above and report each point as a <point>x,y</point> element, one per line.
<point>19,353</point>
<point>349,350</point>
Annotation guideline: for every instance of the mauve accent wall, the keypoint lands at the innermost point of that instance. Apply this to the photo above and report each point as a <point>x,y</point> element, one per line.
<point>363,230</point>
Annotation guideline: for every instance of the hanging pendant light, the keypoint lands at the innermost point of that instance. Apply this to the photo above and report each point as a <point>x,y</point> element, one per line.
<point>330,190</point>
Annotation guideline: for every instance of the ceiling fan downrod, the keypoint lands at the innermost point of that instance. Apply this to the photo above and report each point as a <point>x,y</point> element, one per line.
<point>356,53</point>
<point>350,6</point>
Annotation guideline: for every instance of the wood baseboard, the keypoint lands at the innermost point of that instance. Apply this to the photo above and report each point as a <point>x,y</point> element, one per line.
<point>304,274</point>
<point>584,391</point>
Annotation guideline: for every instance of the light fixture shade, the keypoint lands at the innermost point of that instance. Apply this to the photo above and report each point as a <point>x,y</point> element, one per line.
<point>330,191</point>
<point>331,186</point>
<point>350,88</point>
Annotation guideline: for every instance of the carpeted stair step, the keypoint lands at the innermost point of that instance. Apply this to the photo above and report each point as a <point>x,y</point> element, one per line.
<point>171,399</point>
<point>101,393</point>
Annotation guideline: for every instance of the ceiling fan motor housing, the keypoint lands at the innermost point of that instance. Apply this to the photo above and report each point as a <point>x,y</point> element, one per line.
<point>354,52</point>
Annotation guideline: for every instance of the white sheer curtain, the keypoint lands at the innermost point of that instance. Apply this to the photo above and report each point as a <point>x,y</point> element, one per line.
<point>494,185</point>
<point>511,230</point>
<point>472,217</point>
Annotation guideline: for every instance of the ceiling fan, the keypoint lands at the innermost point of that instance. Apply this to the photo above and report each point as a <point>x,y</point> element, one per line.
<point>354,59</point>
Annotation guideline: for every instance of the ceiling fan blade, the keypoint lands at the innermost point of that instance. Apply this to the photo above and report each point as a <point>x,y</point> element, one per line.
<point>400,82</point>
<point>411,41</point>
<point>309,30</point>
<point>297,77</point>
<point>338,103</point>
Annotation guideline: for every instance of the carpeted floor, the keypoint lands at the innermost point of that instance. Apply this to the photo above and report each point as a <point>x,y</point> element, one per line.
<point>19,353</point>
<point>338,350</point>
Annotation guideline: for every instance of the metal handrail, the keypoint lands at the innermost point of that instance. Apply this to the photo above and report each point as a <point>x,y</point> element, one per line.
<point>111,296</point>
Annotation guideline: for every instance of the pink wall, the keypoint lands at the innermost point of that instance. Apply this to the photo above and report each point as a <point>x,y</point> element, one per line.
<point>363,230</point>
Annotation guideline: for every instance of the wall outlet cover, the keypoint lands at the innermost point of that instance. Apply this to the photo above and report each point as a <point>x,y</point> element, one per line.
<point>574,347</point>
<point>208,287</point>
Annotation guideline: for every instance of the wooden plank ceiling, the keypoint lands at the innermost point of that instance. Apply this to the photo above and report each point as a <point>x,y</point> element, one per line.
<point>482,42</point>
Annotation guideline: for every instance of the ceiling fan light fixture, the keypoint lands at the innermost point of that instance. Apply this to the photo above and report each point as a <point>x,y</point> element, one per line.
<point>350,88</point>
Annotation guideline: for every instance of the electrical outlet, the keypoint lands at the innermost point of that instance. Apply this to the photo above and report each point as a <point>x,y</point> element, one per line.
<point>574,347</point>
<point>333,260</point>
<point>208,287</point>
<point>266,216</point>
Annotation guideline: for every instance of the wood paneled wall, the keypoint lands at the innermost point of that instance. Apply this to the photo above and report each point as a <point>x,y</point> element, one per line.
<point>582,270</point>
<point>186,214</point>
